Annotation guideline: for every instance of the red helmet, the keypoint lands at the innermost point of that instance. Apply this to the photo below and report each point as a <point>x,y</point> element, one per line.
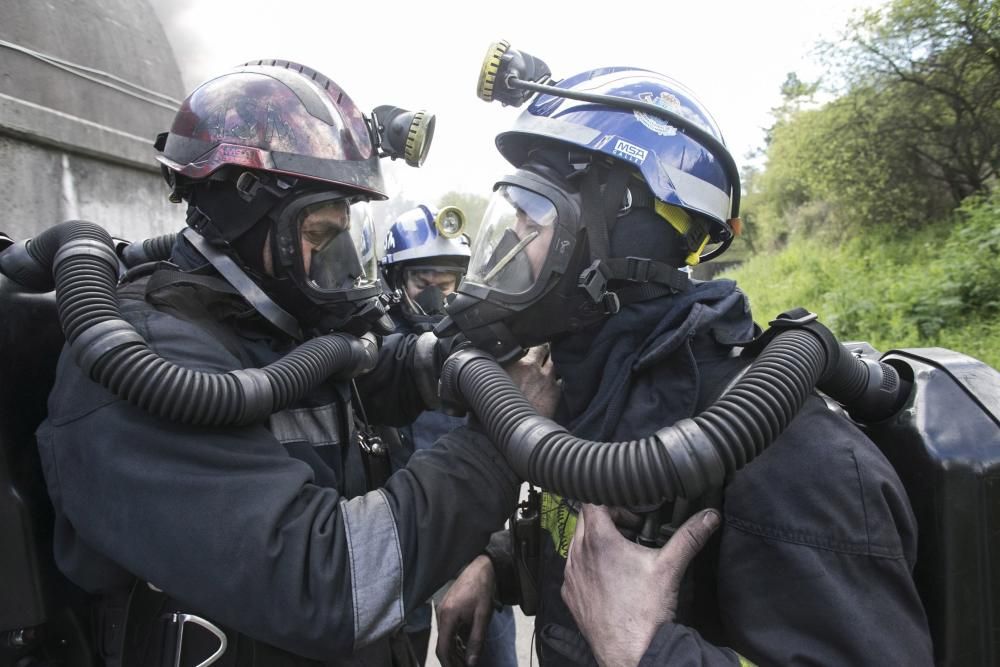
<point>279,117</point>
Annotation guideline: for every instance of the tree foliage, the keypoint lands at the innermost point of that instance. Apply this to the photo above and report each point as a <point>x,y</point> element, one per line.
<point>913,129</point>
<point>938,63</point>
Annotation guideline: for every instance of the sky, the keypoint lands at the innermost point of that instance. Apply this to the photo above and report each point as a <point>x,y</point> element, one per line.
<point>733,54</point>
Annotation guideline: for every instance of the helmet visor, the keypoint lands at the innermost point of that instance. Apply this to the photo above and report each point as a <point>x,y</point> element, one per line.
<point>337,249</point>
<point>513,243</point>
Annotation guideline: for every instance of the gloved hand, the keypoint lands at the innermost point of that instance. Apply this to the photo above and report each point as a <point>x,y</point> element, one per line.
<point>535,376</point>
<point>620,592</point>
<point>449,345</point>
<point>464,614</point>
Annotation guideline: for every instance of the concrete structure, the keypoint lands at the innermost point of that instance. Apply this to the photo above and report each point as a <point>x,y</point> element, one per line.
<point>85,86</point>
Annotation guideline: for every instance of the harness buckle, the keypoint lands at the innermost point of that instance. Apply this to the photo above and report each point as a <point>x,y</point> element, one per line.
<point>638,269</point>
<point>179,621</point>
<point>594,282</point>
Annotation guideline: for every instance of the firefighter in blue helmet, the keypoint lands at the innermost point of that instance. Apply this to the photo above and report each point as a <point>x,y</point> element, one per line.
<point>217,482</point>
<point>620,180</point>
<point>425,259</point>
<point>422,265</point>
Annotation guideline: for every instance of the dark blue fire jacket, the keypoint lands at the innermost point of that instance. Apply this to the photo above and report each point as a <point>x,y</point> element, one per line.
<point>812,564</point>
<point>269,528</point>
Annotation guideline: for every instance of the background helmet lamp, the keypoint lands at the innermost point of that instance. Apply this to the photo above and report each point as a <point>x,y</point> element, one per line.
<point>450,222</point>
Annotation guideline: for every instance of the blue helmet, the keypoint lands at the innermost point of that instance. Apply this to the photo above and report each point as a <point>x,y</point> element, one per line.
<point>621,178</point>
<point>415,241</point>
<point>695,173</point>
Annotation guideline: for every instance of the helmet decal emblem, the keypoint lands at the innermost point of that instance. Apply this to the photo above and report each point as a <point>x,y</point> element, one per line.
<point>666,101</point>
<point>669,102</point>
<point>630,152</point>
<point>242,121</point>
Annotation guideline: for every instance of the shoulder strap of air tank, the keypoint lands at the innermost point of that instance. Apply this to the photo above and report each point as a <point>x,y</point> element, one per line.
<point>797,318</point>
<point>250,291</point>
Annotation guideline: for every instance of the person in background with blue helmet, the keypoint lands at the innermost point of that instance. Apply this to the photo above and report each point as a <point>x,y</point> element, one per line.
<point>804,556</point>
<point>421,267</point>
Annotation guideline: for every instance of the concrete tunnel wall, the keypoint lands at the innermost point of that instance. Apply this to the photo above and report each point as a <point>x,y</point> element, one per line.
<point>79,113</point>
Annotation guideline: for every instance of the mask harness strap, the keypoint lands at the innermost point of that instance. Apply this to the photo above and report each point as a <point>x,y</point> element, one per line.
<point>649,278</point>
<point>247,288</point>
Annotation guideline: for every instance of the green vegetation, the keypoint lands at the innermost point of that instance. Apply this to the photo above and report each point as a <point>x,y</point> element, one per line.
<point>938,286</point>
<point>877,209</point>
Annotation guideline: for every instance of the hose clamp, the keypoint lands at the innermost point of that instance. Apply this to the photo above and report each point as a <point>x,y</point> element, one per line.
<point>91,344</point>
<point>89,247</point>
<point>258,395</point>
<point>693,458</point>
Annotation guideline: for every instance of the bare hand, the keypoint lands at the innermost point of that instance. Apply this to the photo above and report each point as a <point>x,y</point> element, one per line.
<point>535,376</point>
<point>620,592</point>
<point>464,614</point>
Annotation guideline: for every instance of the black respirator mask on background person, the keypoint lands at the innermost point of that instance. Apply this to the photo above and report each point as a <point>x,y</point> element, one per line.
<point>430,301</point>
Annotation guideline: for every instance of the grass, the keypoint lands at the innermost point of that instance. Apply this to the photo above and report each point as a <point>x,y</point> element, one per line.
<point>936,287</point>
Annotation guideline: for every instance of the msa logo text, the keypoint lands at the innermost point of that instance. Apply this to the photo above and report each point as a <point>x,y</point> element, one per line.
<point>630,151</point>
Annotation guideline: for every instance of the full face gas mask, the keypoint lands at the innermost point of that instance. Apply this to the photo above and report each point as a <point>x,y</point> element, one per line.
<point>520,289</point>
<point>564,246</point>
<point>324,269</point>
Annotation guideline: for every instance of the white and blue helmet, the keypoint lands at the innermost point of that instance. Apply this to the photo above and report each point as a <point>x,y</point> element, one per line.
<point>415,242</point>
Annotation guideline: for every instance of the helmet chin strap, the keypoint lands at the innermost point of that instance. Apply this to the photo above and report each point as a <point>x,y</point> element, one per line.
<point>646,278</point>
<point>247,288</point>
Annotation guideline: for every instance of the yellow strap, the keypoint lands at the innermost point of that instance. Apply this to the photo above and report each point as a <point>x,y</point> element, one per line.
<point>675,215</point>
<point>695,257</point>
<point>680,220</point>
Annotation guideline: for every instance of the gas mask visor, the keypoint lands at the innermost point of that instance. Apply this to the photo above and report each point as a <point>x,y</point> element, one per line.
<point>327,245</point>
<point>512,246</point>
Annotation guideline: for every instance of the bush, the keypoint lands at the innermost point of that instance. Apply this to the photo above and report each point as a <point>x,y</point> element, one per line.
<point>937,286</point>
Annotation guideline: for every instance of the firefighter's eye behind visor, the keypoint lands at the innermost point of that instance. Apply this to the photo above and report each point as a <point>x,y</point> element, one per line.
<point>336,246</point>
<point>514,240</point>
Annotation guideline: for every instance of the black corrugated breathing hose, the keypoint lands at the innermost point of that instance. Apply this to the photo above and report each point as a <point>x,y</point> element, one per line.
<point>689,457</point>
<point>79,260</point>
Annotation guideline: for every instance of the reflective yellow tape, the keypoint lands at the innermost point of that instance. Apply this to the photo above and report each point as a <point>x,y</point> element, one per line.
<point>559,520</point>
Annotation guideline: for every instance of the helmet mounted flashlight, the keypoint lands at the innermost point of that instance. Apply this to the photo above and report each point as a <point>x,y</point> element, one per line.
<point>501,66</point>
<point>403,134</point>
<point>450,222</point>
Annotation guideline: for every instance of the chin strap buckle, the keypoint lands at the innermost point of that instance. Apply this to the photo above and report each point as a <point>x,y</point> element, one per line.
<point>594,281</point>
